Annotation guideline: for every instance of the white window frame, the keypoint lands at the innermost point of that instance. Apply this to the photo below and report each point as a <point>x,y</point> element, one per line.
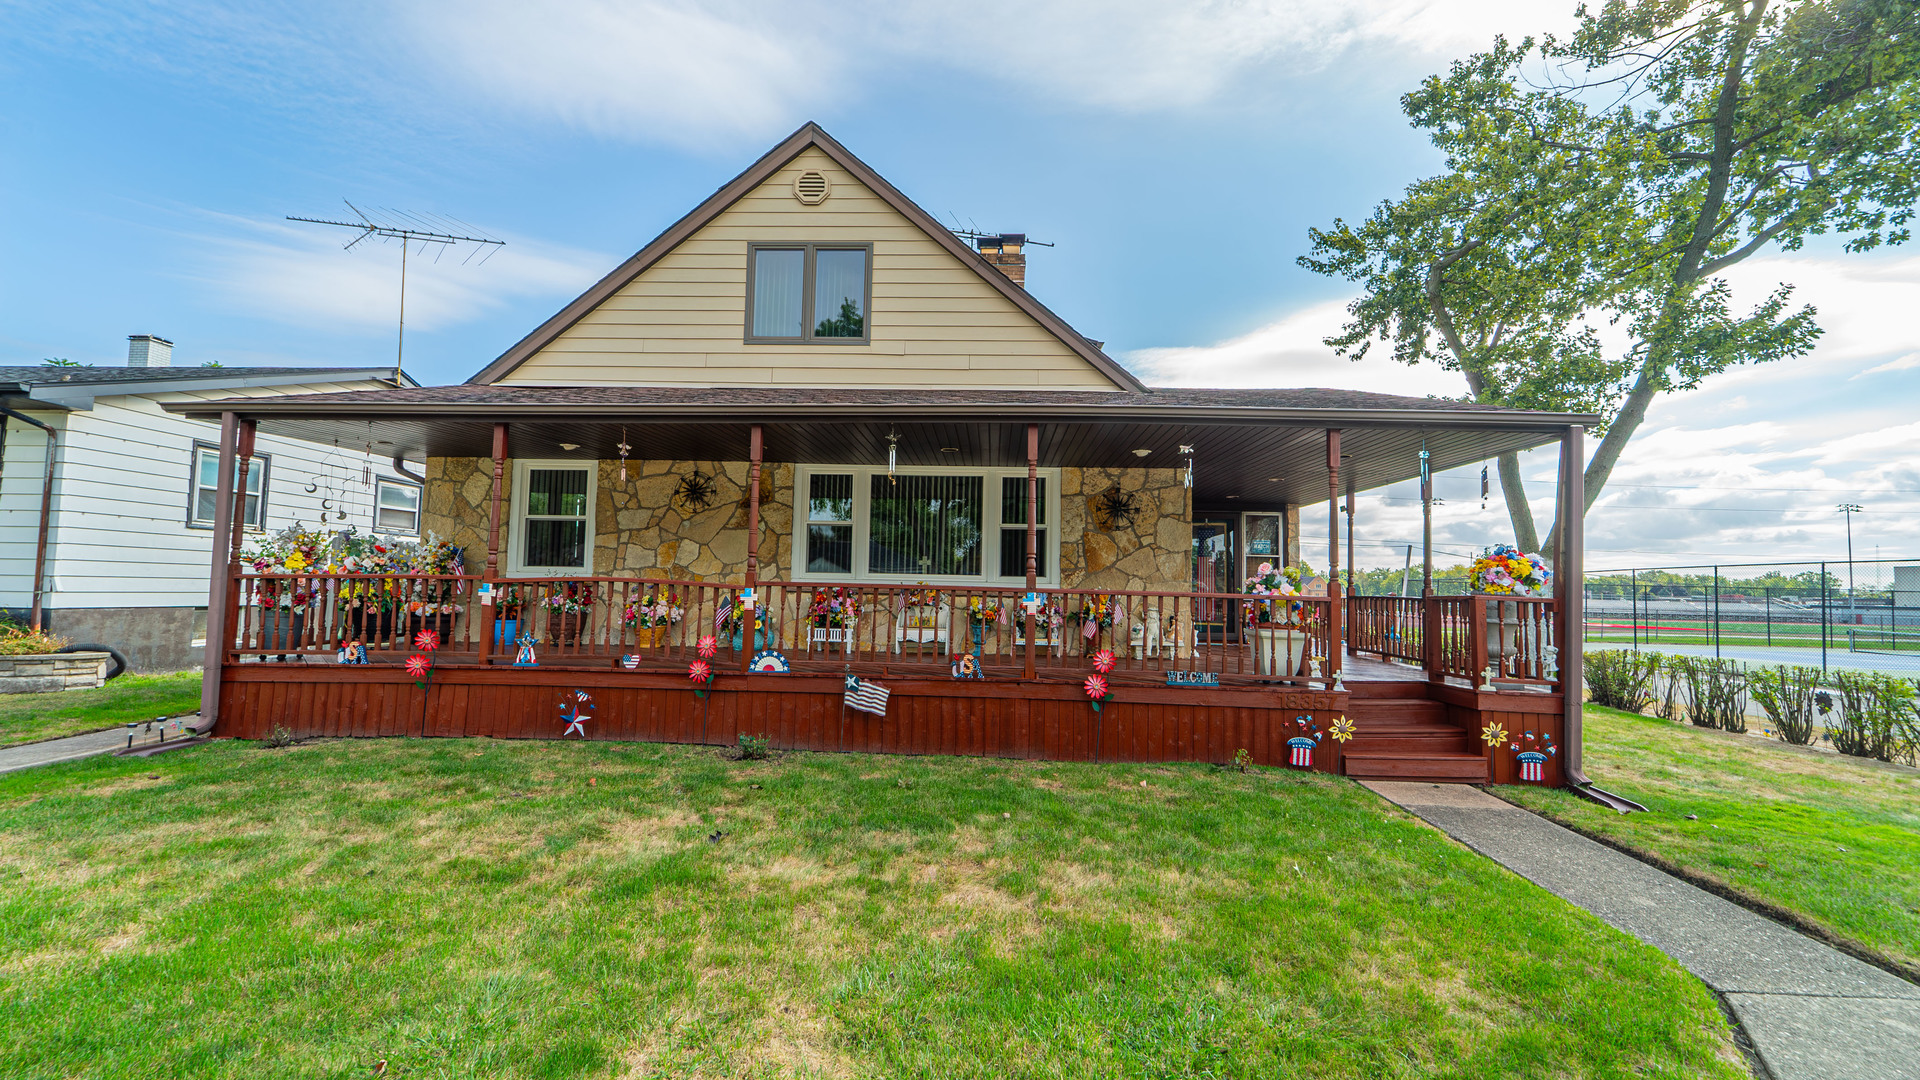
<point>419,511</point>
<point>265,463</point>
<point>990,524</point>
<point>517,517</point>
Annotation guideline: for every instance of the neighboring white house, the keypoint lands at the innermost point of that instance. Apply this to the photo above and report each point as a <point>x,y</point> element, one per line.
<point>130,527</point>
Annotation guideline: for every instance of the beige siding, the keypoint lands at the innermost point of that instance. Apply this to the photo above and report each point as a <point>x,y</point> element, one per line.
<point>935,323</point>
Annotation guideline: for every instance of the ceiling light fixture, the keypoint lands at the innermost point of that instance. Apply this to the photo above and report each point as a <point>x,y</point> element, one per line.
<point>949,449</point>
<point>569,446</point>
<point>1142,452</point>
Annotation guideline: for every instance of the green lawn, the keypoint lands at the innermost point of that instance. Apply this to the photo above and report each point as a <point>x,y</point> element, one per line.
<point>1829,838</point>
<point>32,717</point>
<point>541,909</point>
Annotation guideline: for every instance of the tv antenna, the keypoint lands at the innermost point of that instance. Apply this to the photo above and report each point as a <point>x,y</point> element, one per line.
<point>410,229</point>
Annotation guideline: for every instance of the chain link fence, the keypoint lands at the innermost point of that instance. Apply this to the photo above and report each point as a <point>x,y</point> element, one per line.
<point>1860,615</point>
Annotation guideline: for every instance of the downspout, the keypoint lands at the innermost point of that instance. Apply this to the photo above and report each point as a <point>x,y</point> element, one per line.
<point>46,512</point>
<point>400,466</point>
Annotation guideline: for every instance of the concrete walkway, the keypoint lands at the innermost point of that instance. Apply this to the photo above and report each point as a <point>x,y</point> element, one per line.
<point>75,747</point>
<point>1812,1012</point>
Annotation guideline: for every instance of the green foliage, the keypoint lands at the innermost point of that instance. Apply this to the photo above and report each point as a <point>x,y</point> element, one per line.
<point>1622,678</point>
<point>848,324</point>
<point>753,747</point>
<point>1876,716</point>
<point>17,639</point>
<point>61,361</point>
<point>1789,695</point>
<point>1611,178</point>
<point>1716,694</point>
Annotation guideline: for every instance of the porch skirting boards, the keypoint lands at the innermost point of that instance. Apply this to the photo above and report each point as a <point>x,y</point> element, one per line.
<point>1008,718</point>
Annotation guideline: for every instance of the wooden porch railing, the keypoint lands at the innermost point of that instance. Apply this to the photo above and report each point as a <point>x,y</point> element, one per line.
<point>905,629</point>
<point>1514,636</point>
<point>1394,627</point>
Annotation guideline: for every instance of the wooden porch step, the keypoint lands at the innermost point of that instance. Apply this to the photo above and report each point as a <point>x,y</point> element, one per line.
<point>1458,768</point>
<point>1361,689</point>
<point>1387,710</point>
<point>1428,741</point>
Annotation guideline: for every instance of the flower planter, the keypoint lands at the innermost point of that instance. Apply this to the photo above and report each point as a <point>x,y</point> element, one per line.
<point>1505,636</point>
<point>826,637</point>
<point>506,633</point>
<point>369,625</point>
<point>282,628</point>
<point>649,637</point>
<point>759,640</point>
<point>1278,649</point>
<point>440,624</point>
<point>564,627</point>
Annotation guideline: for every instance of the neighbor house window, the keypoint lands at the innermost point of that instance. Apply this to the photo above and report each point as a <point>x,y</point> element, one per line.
<point>396,508</point>
<point>808,292</point>
<point>553,516</point>
<point>1013,527</point>
<point>830,523</point>
<point>954,525</point>
<point>203,498</point>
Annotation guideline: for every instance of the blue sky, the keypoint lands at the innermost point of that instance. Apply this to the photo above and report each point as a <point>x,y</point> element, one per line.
<point>1176,155</point>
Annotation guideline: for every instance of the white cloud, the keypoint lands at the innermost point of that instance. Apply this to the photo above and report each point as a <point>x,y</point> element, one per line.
<point>1290,352</point>
<point>305,278</point>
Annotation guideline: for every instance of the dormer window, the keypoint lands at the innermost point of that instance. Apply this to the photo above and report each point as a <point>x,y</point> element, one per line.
<point>811,293</point>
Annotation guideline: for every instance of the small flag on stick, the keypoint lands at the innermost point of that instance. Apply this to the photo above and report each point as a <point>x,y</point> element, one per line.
<point>865,696</point>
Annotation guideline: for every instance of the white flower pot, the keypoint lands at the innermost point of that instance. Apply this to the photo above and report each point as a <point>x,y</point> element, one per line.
<point>1278,650</point>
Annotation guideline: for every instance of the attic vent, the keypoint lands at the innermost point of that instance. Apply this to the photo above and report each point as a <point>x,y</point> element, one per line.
<point>812,188</point>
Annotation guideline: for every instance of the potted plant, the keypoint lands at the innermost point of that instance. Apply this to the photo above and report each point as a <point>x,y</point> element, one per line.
<point>831,617</point>
<point>366,605</point>
<point>433,602</point>
<point>506,616</point>
<point>649,617</point>
<point>733,617</point>
<point>568,609</point>
<point>1507,571</point>
<point>284,601</point>
<point>1276,620</point>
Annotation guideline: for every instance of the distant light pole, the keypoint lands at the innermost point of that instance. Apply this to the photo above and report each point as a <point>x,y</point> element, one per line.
<point>1850,509</point>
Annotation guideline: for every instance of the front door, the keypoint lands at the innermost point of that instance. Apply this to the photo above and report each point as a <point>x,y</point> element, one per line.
<point>1213,567</point>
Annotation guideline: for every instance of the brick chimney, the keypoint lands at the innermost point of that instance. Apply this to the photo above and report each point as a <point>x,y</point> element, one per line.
<point>1007,252</point>
<point>145,350</point>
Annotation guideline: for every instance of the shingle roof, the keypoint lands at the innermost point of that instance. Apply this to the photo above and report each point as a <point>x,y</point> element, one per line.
<point>48,375</point>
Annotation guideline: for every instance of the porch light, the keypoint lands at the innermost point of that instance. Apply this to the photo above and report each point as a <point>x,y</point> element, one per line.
<point>1142,452</point>
<point>949,449</point>
<point>569,446</point>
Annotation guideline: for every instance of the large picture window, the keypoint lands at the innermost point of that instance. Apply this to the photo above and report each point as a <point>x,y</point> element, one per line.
<point>203,498</point>
<point>552,516</point>
<point>931,525</point>
<point>808,293</point>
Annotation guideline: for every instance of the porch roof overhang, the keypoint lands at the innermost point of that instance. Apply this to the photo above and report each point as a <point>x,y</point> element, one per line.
<point>1260,447</point>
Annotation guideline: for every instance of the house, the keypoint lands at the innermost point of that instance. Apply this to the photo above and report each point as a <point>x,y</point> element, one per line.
<point>809,433</point>
<point>109,541</point>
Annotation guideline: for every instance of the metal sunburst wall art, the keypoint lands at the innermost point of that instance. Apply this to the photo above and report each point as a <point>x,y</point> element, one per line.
<point>1117,509</point>
<point>695,493</point>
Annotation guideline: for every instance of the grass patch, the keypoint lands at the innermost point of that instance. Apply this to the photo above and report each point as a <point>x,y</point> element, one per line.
<point>1828,838</point>
<point>540,909</point>
<point>32,717</point>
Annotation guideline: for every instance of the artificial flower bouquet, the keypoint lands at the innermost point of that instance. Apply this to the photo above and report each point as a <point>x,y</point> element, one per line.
<point>570,598</point>
<point>982,610</point>
<point>290,551</point>
<point>1097,610</point>
<point>652,611</point>
<point>733,614</point>
<point>834,607</point>
<point>1507,571</point>
<point>1273,589</point>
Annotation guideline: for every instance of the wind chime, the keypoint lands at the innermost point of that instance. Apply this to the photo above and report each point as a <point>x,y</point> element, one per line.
<point>623,448</point>
<point>1483,485</point>
<point>893,453</point>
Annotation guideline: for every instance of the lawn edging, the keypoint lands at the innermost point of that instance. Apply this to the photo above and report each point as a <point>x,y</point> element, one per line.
<point>1785,916</point>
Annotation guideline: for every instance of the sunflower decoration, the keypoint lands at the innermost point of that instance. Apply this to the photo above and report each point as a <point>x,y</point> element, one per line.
<point>1493,734</point>
<point>1341,729</point>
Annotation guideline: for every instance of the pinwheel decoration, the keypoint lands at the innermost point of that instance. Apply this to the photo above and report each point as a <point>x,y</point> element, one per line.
<point>418,666</point>
<point>428,640</point>
<point>1098,691</point>
<point>701,673</point>
<point>708,646</point>
<point>1341,729</point>
<point>1104,660</point>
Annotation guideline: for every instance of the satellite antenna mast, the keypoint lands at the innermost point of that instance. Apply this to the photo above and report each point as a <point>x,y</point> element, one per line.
<point>398,225</point>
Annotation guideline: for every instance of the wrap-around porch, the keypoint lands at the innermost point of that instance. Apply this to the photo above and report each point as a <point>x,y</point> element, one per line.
<point>1193,669</point>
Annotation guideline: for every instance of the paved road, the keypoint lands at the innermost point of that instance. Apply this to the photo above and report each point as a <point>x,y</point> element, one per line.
<point>82,746</point>
<point>1902,663</point>
<point>1812,1012</point>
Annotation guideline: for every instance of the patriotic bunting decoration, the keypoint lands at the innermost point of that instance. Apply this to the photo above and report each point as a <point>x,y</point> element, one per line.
<point>769,662</point>
<point>864,696</point>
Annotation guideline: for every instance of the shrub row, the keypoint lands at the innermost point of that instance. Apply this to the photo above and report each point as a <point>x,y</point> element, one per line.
<point>1866,713</point>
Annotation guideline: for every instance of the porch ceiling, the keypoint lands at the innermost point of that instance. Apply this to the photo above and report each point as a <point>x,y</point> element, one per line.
<point>1257,464</point>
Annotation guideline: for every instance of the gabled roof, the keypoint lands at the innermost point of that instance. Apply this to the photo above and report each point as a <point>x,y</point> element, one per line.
<point>809,135</point>
<point>76,387</point>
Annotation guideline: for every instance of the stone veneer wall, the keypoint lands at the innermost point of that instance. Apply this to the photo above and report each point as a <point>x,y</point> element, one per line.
<point>641,532</point>
<point>1154,553</point>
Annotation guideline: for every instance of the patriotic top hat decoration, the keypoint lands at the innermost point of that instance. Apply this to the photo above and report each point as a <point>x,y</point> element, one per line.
<point>1530,753</point>
<point>1300,747</point>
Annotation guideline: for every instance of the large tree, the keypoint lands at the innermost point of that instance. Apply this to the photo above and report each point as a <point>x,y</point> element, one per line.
<point>1611,178</point>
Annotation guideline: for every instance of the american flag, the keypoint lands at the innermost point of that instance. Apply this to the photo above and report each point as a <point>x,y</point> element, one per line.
<point>1300,752</point>
<point>1533,765</point>
<point>866,696</point>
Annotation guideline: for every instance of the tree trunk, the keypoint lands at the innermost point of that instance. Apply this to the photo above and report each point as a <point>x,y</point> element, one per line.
<point>1513,488</point>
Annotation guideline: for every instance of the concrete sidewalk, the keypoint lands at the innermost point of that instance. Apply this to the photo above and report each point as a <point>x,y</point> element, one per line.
<point>75,747</point>
<point>1812,1012</point>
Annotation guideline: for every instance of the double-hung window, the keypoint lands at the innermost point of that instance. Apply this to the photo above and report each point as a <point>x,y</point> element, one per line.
<point>203,498</point>
<point>552,516</point>
<point>396,507</point>
<point>808,293</point>
<point>952,525</point>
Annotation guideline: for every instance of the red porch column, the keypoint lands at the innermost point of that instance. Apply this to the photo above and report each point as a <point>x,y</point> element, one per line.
<point>219,576</point>
<point>1572,592</point>
<point>1349,551</point>
<point>491,572</point>
<point>1033,528</point>
<point>754,447</point>
<point>1334,613</point>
